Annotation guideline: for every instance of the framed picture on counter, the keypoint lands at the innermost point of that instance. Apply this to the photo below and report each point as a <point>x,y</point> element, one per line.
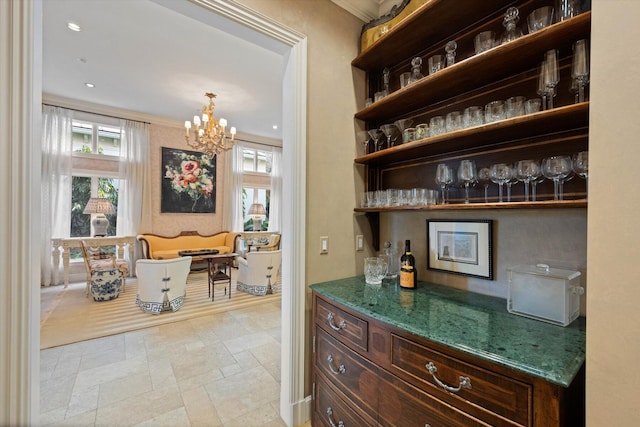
<point>460,247</point>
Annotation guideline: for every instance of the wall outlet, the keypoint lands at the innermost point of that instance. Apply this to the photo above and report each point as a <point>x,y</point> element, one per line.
<point>359,243</point>
<point>324,244</point>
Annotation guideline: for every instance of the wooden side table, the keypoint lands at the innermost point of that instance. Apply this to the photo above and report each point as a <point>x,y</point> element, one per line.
<point>215,272</point>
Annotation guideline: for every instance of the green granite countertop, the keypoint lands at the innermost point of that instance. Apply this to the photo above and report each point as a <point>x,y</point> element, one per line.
<point>476,324</point>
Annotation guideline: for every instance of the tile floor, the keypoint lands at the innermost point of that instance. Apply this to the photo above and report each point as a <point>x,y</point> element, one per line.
<point>218,370</point>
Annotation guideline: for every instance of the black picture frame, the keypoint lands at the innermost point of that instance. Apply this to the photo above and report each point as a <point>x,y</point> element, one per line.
<point>188,182</point>
<point>463,247</point>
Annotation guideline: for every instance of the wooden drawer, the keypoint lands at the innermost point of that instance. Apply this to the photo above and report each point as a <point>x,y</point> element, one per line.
<point>349,372</point>
<point>490,393</point>
<point>349,329</point>
<point>403,405</point>
<point>332,407</point>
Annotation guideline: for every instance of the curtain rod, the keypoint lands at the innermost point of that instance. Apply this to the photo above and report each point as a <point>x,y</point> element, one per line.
<point>258,143</point>
<point>95,114</point>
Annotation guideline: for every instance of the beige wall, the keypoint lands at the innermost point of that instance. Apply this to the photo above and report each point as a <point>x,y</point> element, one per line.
<point>332,35</point>
<point>171,224</point>
<point>613,326</point>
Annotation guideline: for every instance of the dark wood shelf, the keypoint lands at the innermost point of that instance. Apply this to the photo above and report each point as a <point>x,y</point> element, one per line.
<point>573,116</point>
<point>545,204</point>
<point>471,73</point>
<point>396,45</point>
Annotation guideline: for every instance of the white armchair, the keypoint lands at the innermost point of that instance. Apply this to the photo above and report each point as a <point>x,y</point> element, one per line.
<point>259,272</point>
<point>162,283</point>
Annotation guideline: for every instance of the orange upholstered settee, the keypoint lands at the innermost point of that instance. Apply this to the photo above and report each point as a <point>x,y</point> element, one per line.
<point>155,246</point>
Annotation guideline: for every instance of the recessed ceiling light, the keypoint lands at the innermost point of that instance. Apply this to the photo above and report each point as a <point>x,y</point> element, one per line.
<point>275,127</point>
<point>89,85</point>
<point>73,26</point>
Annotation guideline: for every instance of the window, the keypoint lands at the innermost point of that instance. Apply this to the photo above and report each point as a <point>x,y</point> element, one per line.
<point>252,195</point>
<point>256,161</point>
<point>257,186</point>
<point>96,156</point>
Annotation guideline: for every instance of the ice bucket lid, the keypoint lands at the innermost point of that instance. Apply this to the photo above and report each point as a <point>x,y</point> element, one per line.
<point>544,270</point>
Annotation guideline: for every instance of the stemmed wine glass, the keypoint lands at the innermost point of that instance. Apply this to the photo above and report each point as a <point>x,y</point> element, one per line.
<point>512,180</point>
<point>551,74</point>
<point>444,177</point>
<point>500,173</point>
<point>363,139</point>
<point>485,178</point>
<point>526,171</point>
<point>467,175</point>
<point>378,139</point>
<point>580,67</point>
<point>403,124</point>
<point>557,168</point>
<point>581,166</point>
<point>542,87</point>
<point>388,130</point>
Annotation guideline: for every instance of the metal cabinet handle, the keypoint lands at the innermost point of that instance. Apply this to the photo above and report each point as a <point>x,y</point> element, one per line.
<point>341,368</point>
<point>329,416</point>
<point>465,382</point>
<point>335,327</point>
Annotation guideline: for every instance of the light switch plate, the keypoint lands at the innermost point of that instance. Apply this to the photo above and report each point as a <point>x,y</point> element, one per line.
<point>324,244</point>
<point>359,243</point>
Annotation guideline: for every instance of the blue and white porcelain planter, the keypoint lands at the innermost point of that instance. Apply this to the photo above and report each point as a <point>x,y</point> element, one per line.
<point>106,284</point>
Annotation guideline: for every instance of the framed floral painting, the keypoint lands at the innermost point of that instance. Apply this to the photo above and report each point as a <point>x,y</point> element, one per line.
<point>188,182</point>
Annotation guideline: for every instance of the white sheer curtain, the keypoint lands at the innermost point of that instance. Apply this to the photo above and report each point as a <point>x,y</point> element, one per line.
<point>275,202</point>
<point>134,193</point>
<point>232,207</point>
<point>56,182</point>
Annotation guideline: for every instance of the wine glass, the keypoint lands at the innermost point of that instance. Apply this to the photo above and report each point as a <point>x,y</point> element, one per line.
<point>485,178</point>
<point>377,136</point>
<point>467,175</point>
<point>542,87</point>
<point>512,180</point>
<point>551,74</point>
<point>526,171</point>
<point>580,66</point>
<point>363,139</point>
<point>444,177</point>
<point>403,124</point>
<point>500,173</point>
<point>581,166</point>
<point>388,130</point>
<point>557,168</point>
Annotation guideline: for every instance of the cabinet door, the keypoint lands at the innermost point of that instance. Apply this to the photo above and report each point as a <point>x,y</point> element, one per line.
<point>404,405</point>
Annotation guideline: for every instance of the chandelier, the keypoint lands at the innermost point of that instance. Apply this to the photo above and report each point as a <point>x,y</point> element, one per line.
<point>210,136</point>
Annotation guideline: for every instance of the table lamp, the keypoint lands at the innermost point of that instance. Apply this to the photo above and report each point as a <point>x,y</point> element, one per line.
<point>257,212</point>
<point>99,206</point>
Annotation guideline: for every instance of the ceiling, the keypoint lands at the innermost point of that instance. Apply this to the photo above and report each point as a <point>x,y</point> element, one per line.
<point>159,57</point>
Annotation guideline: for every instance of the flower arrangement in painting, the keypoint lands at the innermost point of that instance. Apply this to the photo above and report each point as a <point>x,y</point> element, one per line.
<point>190,173</point>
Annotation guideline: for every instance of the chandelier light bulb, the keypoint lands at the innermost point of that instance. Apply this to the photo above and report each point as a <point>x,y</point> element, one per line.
<point>223,123</point>
<point>187,124</point>
<point>233,132</point>
<point>196,121</point>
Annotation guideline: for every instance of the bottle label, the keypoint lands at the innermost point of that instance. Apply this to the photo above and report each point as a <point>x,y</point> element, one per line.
<point>407,277</point>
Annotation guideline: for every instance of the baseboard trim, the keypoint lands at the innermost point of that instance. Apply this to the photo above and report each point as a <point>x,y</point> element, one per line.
<point>302,411</point>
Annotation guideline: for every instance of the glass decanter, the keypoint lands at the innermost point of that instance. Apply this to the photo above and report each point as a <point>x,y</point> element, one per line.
<point>512,32</point>
<point>416,69</point>
<point>450,48</point>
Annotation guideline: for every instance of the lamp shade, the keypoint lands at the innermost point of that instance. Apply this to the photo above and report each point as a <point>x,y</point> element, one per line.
<point>257,210</point>
<point>99,205</point>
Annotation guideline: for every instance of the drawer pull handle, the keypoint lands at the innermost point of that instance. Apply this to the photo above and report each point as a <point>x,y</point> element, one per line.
<point>465,382</point>
<point>329,415</point>
<point>341,369</point>
<point>335,327</point>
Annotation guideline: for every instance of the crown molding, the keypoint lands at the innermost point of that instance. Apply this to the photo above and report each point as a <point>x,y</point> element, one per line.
<point>365,10</point>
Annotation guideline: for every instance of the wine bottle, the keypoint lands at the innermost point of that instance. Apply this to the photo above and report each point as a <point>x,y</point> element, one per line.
<point>408,272</point>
